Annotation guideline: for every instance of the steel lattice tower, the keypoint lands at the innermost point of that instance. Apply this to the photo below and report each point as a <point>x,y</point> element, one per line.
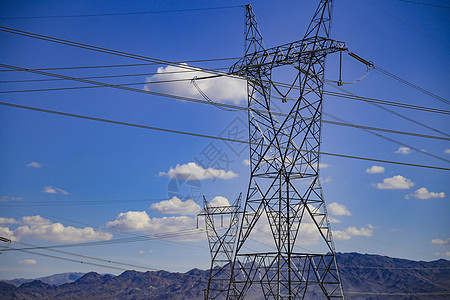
<point>284,192</point>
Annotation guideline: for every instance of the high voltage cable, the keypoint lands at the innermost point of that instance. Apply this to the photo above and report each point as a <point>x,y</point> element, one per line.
<point>330,93</point>
<point>109,51</point>
<point>106,50</point>
<point>124,13</point>
<point>398,114</point>
<point>157,236</point>
<point>154,60</point>
<point>231,106</point>
<point>72,260</point>
<point>31,246</point>
<point>396,142</point>
<point>427,4</point>
<point>101,76</point>
<point>141,237</point>
<point>126,65</point>
<point>156,93</point>
<point>210,136</point>
<point>412,85</point>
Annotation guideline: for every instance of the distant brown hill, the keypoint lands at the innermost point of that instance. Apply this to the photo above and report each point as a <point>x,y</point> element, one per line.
<point>363,277</point>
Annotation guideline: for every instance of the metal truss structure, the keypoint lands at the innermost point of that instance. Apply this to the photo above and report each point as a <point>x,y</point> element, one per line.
<point>221,244</point>
<point>284,194</point>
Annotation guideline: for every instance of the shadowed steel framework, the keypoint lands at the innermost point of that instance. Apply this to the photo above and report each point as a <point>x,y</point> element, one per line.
<point>284,205</point>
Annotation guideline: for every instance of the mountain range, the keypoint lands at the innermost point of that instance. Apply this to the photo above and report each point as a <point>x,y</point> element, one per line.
<point>363,276</point>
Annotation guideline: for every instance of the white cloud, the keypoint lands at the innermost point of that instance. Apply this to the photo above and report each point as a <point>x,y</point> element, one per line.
<point>326,180</point>
<point>375,170</point>
<point>177,207</point>
<point>447,151</point>
<point>7,233</point>
<point>141,221</point>
<point>28,262</point>
<point>141,252</point>
<point>337,209</point>
<point>192,171</point>
<point>323,166</point>
<point>441,242</point>
<point>352,231</point>
<point>8,221</point>
<point>34,165</point>
<point>54,190</point>
<point>403,150</point>
<point>334,220</point>
<point>423,193</point>
<point>9,198</point>
<point>397,182</point>
<point>246,162</point>
<point>219,89</point>
<point>39,228</point>
<point>219,201</point>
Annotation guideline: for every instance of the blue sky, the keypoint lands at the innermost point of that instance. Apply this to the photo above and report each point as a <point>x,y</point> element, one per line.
<point>66,180</point>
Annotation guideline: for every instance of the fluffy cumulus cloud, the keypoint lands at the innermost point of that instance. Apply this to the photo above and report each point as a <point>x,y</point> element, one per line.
<point>375,170</point>
<point>353,231</point>
<point>423,193</point>
<point>219,201</point>
<point>403,150</point>
<point>141,221</point>
<point>323,166</point>
<point>7,233</point>
<point>192,171</point>
<point>54,190</point>
<point>28,261</point>
<point>39,228</point>
<point>246,162</point>
<point>177,207</point>
<point>8,221</point>
<point>219,89</point>
<point>337,209</point>
<point>397,182</point>
<point>34,164</point>
<point>441,242</point>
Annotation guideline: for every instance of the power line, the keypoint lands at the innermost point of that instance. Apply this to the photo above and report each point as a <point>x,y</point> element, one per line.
<point>397,142</point>
<point>127,65</point>
<point>123,14</point>
<point>132,235</point>
<point>70,259</point>
<point>102,76</point>
<point>155,60</point>
<point>399,293</point>
<point>427,4</point>
<point>106,50</point>
<point>140,238</point>
<point>398,114</point>
<point>31,246</point>
<point>208,136</point>
<point>399,79</point>
<point>149,59</point>
<point>233,107</point>
<point>330,93</point>
<point>162,94</point>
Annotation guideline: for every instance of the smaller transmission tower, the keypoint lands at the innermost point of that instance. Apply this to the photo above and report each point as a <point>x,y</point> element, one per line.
<point>222,239</point>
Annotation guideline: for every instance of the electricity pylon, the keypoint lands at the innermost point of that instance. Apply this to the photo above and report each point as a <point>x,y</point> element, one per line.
<point>284,194</point>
